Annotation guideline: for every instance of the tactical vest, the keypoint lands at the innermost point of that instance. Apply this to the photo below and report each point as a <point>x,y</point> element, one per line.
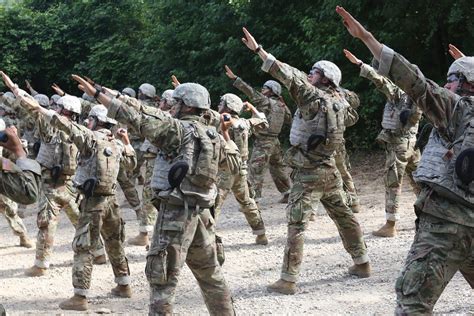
<point>149,149</point>
<point>275,118</point>
<point>391,116</point>
<point>241,139</point>
<point>200,149</point>
<point>102,162</point>
<point>437,165</point>
<point>58,153</point>
<point>328,123</point>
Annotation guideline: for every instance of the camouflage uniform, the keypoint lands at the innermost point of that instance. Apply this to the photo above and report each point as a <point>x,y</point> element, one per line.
<point>20,181</point>
<point>237,183</point>
<point>184,232</point>
<point>399,144</point>
<point>266,151</point>
<point>443,243</point>
<point>9,209</point>
<point>100,215</point>
<point>315,174</point>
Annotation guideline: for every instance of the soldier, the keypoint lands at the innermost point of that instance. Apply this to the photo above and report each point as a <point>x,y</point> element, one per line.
<point>231,105</point>
<point>9,208</point>
<point>129,92</point>
<point>398,136</point>
<point>445,205</point>
<point>266,151</point>
<point>185,230</point>
<point>314,137</point>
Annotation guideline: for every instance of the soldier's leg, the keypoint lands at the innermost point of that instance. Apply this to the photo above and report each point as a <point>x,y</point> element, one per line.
<point>174,232</point>
<point>202,261</point>
<point>343,165</point>
<point>346,223</point>
<point>248,206</point>
<point>129,191</point>
<point>224,185</point>
<point>257,165</point>
<point>438,251</point>
<point>277,171</point>
<point>306,184</point>
<point>113,232</point>
<point>9,209</point>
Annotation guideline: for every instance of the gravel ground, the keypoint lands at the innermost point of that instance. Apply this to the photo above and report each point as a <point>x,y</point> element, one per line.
<point>324,287</point>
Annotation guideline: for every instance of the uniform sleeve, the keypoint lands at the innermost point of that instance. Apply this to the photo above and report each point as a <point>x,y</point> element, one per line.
<point>436,102</point>
<point>21,182</point>
<point>288,117</point>
<point>351,117</point>
<point>260,101</point>
<point>304,94</point>
<point>129,157</point>
<point>160,129</point>
<point>383,84</point>
<point>230,156</point>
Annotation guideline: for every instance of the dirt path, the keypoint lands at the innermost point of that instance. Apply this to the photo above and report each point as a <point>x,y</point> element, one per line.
<point>324,288</point>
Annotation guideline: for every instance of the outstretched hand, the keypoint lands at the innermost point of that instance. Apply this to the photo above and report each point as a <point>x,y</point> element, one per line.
<point>9,83</point>
<point>352,25</point>
<point>84,85</point>
<point>352,58</point>
<point>174,81</point>
<point>249,40</point>
<point>58,90</point>
<point>229,73</point>
<point>455,52</point>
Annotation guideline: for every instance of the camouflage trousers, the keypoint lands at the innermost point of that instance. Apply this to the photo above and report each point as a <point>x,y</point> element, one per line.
<point>100,216</point>
<point>322,183</point>
<point>147,215</point>
<point>53,199</point>
<point>239,186</point>
<point>267,153</point>
<point>9,209</point>
<point>400,158</point>
<point>439,250</point>
<point>185,235</point>
<point>129,190</point>
<point>137,172</point>
<point>343,165</point>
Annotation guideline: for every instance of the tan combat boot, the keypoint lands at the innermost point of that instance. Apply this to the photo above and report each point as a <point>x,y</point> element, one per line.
<point>312,217</point>
<point>284,198</point>
<point>35,271</point>
<point>387,230</point>
<point>140,240</point>
<point>75,303</point>
<point>282,286</point>
<point>360,270</point>
<point>25,241</point>
<point>122,291</point>
<point>261,240</point>
<point>102,259</point>
<point>355,208</point>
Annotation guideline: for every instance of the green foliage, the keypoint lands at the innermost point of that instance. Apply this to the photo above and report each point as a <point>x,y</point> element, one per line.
<point>128,42</point>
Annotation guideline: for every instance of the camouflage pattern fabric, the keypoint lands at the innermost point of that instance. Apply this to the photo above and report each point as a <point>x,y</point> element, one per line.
<point>185,235</point>
<point>315,175</point>
<point>343,165</point>
<point>9,209</point>
<point>21,186</point>
<point>239,186</point>
<point>100,216</point>
<point>147,217</point>
<point>129,190</point>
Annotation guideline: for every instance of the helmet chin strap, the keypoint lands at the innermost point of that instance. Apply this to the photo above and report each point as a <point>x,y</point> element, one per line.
<point>464,92</point>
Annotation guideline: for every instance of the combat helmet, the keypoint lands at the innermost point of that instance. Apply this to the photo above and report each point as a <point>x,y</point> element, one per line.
<point>70,103</point>
<point>129,91</point>
<point>99,111</point>
<point>329,70</point>
<point>193,95</point>
<point>42,99</point>
<point>232,102</point>
<point>274,86</point>
<point>54,98</point>
<point>147,89</point>
<point>463,66</point>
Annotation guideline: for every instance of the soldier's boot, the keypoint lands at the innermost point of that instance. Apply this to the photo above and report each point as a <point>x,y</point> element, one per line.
<point>25,241</point>
<point>261,240</point>
<point>360,270</point>
<point>387,230</point>
<point>140,240</point>
<point>102,259</point>
<point>35,271</point>
<point>284,198</point>
<point>75,303</point>
<point>312,217</point>
<point>282,286</point>
<point>122,291</point>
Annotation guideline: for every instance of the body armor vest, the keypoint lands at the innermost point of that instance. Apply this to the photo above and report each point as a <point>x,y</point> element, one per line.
<point>102,162</point>
<point>200,149</point>
<point>391,116</point>
<point>437,165</point>
<point>241,139</point>
<point>56,152</point>
<point>328,123</point>
<point>275,118</point>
